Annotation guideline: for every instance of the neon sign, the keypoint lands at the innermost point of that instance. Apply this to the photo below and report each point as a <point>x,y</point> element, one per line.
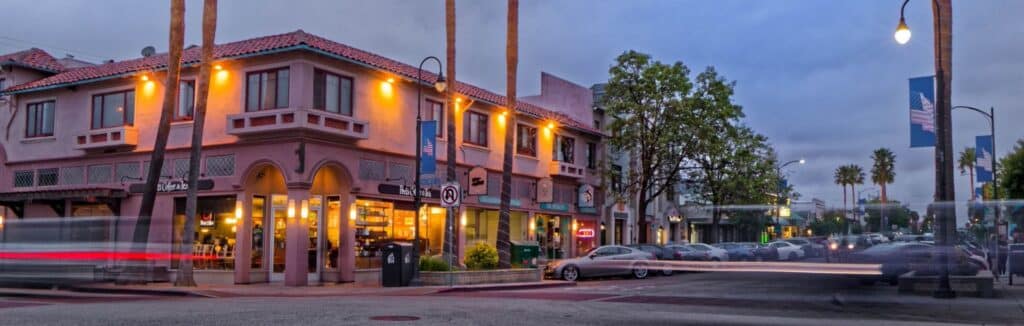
<point>585,233</point>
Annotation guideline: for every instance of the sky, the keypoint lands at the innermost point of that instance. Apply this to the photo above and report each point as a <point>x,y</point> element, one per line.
<point>824,80</point>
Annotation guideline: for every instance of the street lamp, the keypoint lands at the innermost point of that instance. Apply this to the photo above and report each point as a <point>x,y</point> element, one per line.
<point>778,196</point>
<point>944,191</point>
<point>439,85</point>
<point>991,116</point>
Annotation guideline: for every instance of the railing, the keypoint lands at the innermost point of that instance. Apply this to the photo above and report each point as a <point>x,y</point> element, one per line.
<point>281,120</point>
<point>564,169</point>
<point>123,136</point>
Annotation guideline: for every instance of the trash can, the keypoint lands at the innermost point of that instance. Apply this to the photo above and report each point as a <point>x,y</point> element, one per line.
<point>525,253</point>
<point>1014,261</point>
<point>395,265</point>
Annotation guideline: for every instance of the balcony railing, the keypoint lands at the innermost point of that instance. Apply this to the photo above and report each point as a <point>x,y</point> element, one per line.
<point>286,120</point>
<point>563,169</point>
<point>108,138</point>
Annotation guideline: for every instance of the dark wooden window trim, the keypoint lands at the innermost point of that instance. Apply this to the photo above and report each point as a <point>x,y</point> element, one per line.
<point>259,89</point>
<point>440,120</point>
<point>482,130</point>
<point>532,152</point>
<point>124,113</point>
<point>320,95</point>
<point>36,110</point>
<point>178,117</point>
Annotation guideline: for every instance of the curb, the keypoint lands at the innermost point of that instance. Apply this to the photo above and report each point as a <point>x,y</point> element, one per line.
<point>505,287</point>
<point>155,292</point>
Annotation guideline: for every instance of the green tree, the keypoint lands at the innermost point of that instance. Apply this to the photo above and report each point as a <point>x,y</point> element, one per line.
<point>842,177</point>
<point>856,177</point>
<point>832,222</point>
<point>1011,180</point>
<point>895,213</point>
<point>966,164</point>
<point>646,99</point>
<point>882,174</point>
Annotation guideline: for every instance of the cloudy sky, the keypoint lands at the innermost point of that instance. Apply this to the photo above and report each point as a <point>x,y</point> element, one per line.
<point>823,79</point>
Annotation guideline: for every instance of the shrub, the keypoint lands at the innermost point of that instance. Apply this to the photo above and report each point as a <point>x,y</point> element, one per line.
<point>482,256</point>
<point>433,264</point>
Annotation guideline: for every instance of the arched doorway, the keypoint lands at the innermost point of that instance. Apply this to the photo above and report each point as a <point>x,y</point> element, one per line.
<point>329,228</point>
<point>266,213</point>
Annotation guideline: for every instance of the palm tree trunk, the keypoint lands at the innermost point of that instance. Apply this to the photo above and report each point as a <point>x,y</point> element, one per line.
<point>511,63</point>
<point>974,194</point>
<point>176,40</point>
<point>844,207</point>
<point>185,276</point>
<point>854,200</point>
<point>448,250</point>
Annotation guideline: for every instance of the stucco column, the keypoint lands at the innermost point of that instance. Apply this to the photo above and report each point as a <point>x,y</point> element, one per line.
<point>296,258</point>
<point>243,241</point>
<point>347,254</point>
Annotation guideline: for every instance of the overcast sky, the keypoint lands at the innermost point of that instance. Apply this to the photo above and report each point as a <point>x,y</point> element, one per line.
<point>824,80</point>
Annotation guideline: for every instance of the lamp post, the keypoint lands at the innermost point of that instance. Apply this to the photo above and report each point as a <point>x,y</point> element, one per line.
<point>439,85</point>
<point>778,196</point>
<point>944,192</point>
<point>991,116</point>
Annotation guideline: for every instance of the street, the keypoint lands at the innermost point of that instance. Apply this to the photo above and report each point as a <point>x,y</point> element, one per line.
<point>684,298</point>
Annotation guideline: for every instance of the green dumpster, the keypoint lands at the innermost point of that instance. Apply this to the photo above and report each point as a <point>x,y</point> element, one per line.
<point>525,253</point>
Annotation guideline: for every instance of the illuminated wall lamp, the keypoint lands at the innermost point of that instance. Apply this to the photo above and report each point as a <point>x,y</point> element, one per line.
<point>304,209</point>
<point>291,208</point>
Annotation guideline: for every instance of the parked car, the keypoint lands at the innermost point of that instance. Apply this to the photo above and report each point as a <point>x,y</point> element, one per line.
<point>915,238</point>
<point>716,254</point>
<point>738,251</point>
<point>684,252</point>
<point>841,247</point>
<point>787,250</point>
<point>810,248</point>
<point>661,253</point>
<point>898,258</point>
<point>877,238</point>
<point>603,261</point>
<point>763,251</point>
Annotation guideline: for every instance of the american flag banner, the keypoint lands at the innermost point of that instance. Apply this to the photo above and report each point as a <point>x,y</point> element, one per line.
<point>428,153</point>
<point>983,158</point>
<point>922,112</point>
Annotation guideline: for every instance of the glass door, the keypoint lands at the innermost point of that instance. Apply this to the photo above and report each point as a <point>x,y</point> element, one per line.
<point>313,245</point>
<point>332,234</point>
<point>257,215</point>
<point>279,210</point>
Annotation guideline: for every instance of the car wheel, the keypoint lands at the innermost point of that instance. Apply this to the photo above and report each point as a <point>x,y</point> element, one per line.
<point>570,273</point>
<point>715,259</point>
<point>792,256</point>
<point>640,271</point>
<point>667,271</point>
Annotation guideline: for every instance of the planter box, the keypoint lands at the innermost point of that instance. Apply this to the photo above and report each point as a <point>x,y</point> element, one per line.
<point>979,285</point>
<point>519,275</point>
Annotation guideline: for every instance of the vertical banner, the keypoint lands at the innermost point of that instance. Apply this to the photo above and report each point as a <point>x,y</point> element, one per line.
<point>922,112</point>
<point>983,158</point>
<point>428,143</point>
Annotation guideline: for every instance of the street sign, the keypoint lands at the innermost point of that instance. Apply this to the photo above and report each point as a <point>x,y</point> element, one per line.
<point>451,195</point>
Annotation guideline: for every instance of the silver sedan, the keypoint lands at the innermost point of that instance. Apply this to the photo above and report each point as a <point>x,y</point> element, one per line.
<point>602,261</point>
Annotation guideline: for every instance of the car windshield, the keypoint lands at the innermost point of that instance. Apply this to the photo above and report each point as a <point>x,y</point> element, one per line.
<point>797,241</point>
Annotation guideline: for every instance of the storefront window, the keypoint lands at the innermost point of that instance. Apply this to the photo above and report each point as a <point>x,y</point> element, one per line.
<point>482,226</point>
<point>214,244</point>
<point>332,233</point>
<point>381,222</point>
<point>552,233</point>
<point>259,208</point>
<point>586,233</point>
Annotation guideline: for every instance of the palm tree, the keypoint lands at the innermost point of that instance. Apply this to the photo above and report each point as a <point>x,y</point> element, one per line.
<point>841,178</point>
<point>511,63</point>
<point>882,174</point>
<point>966,163</point>
<point>176,40</point>
<point>185,276</point>
<point>855,175</point>
<point>449,19</point>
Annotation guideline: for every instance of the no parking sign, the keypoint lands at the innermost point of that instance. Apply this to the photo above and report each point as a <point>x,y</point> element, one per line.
<point>451,195</point>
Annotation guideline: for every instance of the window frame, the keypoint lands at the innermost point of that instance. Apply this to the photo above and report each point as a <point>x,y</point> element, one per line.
<point>351,91</point>
<point>40,108</point>
<point>592,155</point>
<point>440,121</point>
<point>467,127</point>
<point>124,115</point>
<point>259,89</point>
<point>556,149</point>
<point>519,150</point>
<point>177,117</point>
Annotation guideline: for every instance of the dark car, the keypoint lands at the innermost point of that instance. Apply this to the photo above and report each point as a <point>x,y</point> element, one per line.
<point>839,248</point>
<point>898,258</point>
<point>739,251</point>
<point>661,253</point>
<point>810,248</point>
<point>684,252</point>
<point>761,252</point>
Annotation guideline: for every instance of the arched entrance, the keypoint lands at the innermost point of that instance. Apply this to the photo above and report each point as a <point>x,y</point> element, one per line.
<point>329,224</point>
<point>265,214</point>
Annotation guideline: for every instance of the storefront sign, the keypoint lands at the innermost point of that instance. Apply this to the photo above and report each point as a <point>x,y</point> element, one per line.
<point>560,207</point>
<point>497,201</point>
<point>545,190</point>
<point>675,218</point>
<point>403,190</point>
<point>586,196</point>
<point>171,185</point>
<point>428,151</point>
<point>588,210</point>
<point>206,219</point>
<point>585,233</point>
<point>477,181</point>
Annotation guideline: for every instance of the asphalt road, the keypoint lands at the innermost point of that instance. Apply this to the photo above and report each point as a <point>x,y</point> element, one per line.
<point>682,299</point>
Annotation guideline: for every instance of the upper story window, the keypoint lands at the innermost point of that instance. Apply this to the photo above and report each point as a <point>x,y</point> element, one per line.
<point>617,177</point>
<point>591,155</point>
<point>564,149</point>
<point>435,111</point>
<point>186,100</point>
<point>474,128</point>
<point>39,119</point>
<point>331,92</point>
<point>266,90</point>
<point>113,109</point>
<point>3,83</point>
<point>526,140</point>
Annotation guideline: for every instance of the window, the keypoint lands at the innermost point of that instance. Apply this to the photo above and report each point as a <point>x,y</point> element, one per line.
<point>475,128</point>
<point>331,93</point>
<point>436,112</point>
<point>526,140</point>
<point>266,90</point>
<point>3,83</point>
<point>591,155</point>
<point>113,110</point>
<point>616,178</point>
<point>47,177</point>
<point>186,100</point>
<point>563,149</point>
<point>39,119</point>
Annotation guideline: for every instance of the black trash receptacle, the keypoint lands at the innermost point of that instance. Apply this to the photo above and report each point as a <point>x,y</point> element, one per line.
<point>396,257</point>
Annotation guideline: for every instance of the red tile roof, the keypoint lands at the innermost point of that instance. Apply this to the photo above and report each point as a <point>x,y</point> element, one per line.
<point>33,58</point>
<point>285,42</point>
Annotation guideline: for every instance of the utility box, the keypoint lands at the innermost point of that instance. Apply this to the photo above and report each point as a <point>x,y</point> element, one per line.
<point>525,253</point>
<point>396,266</point>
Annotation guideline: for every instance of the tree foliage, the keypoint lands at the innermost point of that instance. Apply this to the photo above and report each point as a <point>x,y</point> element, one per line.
<point>895,213</point>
